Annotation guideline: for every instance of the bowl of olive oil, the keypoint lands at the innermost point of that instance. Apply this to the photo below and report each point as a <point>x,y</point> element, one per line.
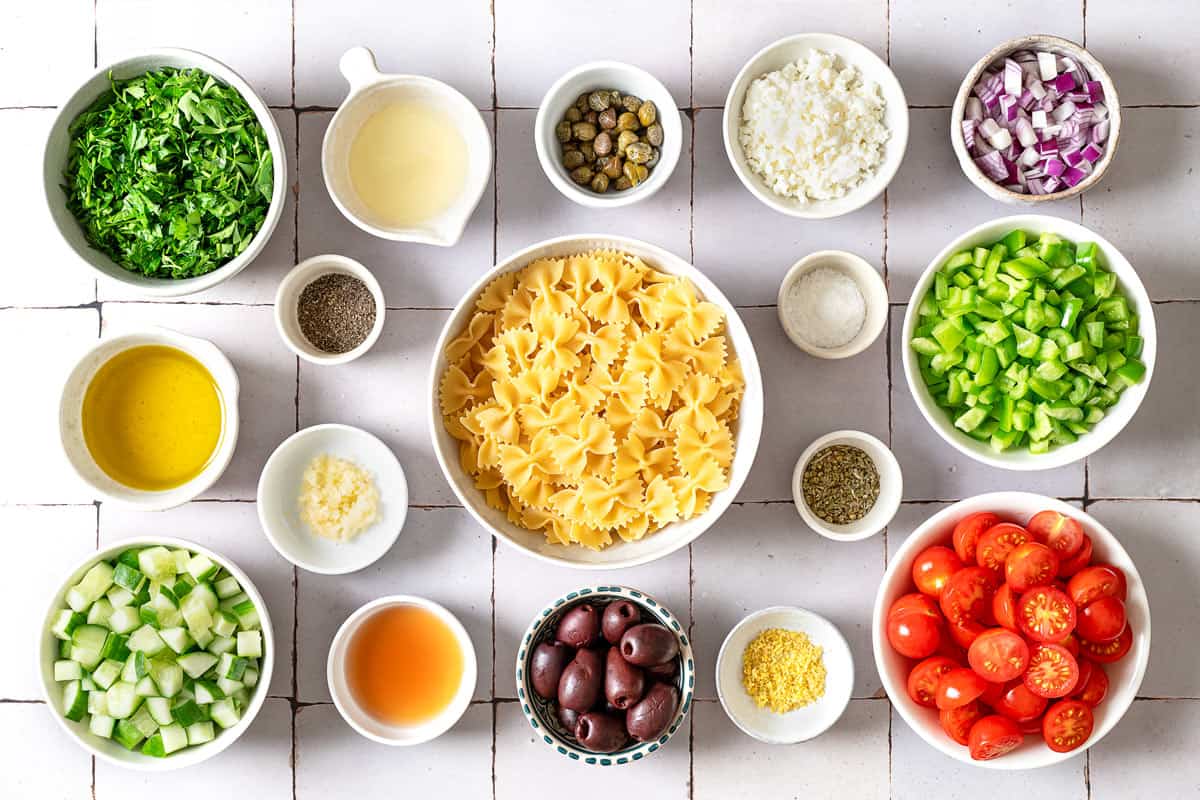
<point>149,418</point>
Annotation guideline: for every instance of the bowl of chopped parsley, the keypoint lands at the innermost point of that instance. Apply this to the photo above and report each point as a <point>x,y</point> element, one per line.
<point>165,172</point>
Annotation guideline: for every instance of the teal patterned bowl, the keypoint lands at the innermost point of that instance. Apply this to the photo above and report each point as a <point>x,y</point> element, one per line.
<point>541,714</point>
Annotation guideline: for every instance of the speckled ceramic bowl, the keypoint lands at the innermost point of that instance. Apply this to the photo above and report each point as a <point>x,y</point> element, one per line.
<point>540,713</point>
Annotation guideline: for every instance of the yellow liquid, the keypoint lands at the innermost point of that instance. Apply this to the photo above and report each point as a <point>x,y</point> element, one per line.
<point>408,163</point>
<point>152,417</point>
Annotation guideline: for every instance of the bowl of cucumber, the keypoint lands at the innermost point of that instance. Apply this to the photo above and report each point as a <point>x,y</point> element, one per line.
<point>156,653</point>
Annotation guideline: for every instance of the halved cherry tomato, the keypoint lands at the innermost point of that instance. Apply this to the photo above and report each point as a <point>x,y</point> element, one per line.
<point>992,737</point>
<point>1086,668</point>
<point>957,722</point>
<point>1019,704</point>
<point>1071,642</point>
<point>965,632</point>
<point>932,568</point>
<point>958,687</point>
<point>1067,725</point>
<point>915,601</point>
<point>1029,565</point>
<point>968,595</point>
<point>1004,607</point>
<point>1061,533</point>
<point>997,542</point>
<point>914,635</point>
<point>1046,614</point>
<point>1069,566</point>
<point>1108,652</point>
<point>1053,672</point>
<point>1101,620</point>
<point>991,695</point>
<point>1093,690</point>
<point>967,531</point>
<point>923,680</point>
<point>998,655</point>
<point>1096,581</point>
<point>1031,726</point>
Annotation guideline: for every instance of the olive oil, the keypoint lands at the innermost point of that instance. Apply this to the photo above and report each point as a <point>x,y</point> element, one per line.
<point>408,163</point>
<point>152,417</point>
<point>404,665</point>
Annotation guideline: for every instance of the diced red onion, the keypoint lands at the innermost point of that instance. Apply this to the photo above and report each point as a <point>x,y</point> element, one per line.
<point>974,109</point>
<point>1047,66</point>
<point>1054,167</point>
<point>1048,147</point>
<point>1038,118</point>
<point>1013,77</point>
<point>1095,91</point>
<point>1064,83</point>
<point>1072,157</point>
<point>1073,176</point>
<point>1051,184</point>
<point>1100,131</point>
<point>968,132</point>
<point>1065,109</point>
<point>993,166</point>
<point>1030,156</point>
<point>1092,153</point>
<point>1025,133</point>
<point>1035,186</point>
<point>1008,107</point>
<point>1100,111</point>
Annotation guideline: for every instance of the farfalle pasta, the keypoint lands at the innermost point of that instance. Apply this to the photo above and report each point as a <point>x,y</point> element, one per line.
<point>593,398</point>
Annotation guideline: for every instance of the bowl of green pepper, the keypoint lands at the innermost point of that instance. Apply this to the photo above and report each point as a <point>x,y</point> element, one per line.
<point>165,172</point>
<point>1029,342</point>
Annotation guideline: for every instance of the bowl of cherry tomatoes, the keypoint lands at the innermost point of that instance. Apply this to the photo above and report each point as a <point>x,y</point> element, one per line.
<point>1011,631</point>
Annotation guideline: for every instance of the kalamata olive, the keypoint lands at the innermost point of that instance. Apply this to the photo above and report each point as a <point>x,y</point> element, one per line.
<point>582,681</point>
<point>624,683</point>
<point>664,672</point>
<point>649,644</point>
<point>619,616</point>
<point>568,717</point>
<point>649,718</point>
<point>546,666</point>
<point>580,626</point>
<point>599,732</point>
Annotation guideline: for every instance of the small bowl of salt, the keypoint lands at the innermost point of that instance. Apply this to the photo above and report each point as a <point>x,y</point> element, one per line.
<point>832,304</point>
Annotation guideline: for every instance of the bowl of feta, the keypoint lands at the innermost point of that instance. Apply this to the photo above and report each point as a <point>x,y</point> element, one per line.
<point>815,125</point>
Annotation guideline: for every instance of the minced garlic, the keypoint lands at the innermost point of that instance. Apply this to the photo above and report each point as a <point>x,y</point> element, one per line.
<point>338,500</point>
<point>783,670</point>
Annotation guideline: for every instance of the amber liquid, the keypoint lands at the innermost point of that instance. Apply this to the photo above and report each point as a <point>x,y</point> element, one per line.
<point>404,665</point>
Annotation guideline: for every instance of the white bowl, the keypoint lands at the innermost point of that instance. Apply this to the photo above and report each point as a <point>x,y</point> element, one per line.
<point>891,487</point>
<point>869,282</point>
<point>370,91</point>
<point>1116,418</point>
<point>872,68</point>
<point>70,417</point>
<point>279,493</point>
<point>803,723</point>
<point>1053,44</point>
<point>620,554</point>
<point>627,79</point>
<point>1125,676</point>
<point>108,749</point>
<point>287,298</point>
<point>387,733</point>
<point>55,161</point>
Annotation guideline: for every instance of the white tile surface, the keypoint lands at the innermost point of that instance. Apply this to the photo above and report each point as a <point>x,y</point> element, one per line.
<point>35,33</point>
<point>334,761</point>
<point>1132,40</point>
<point>411,275</point>
<point>231,529</point>
<point>441,554</point>
<point>44,541</point>
<point>38,761</point>
<point>254,39</point>
<point>537,41</point>
<point>1150,754</point>
<point>325,30</point>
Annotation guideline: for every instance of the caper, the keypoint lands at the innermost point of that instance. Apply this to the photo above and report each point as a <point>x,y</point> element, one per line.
<point>600,183</point>
<point>647,112</point>
<point>589,151</point>
<point>581,102</point>
<point>631,103</point>
<point>563,131</point>
<point>592,117</point>
<point>630,173</point>
<point>584,131</point>
<point>602,144</point>
<point>655,154</point>
<point>582,175</point>
<point>614,96</point>
<point>627,122</point>
<point>573,159</point>
<point>622,183</point>
<point>598,101</point>
<point>654,135</point>
<point>624,139</point>
<point>638,152</point>
<point>612,168</point>
<point>573,115</point>
<point>608,118</point>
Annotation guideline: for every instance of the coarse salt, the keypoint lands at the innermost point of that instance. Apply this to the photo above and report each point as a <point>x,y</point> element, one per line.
<point>825,308</point>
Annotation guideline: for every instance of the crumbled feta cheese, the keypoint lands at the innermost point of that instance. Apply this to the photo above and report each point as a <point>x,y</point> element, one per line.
<point>812,130</point>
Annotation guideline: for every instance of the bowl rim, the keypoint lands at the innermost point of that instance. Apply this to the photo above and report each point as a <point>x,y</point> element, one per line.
<point>1134,290</point>
<point>793,612</point>
<point>269,530</point>
<point>940,520</point>
<point>687,673</point>
<point>137,761</point>
<point>1112,101</point>
<point>661,173</point>
<point>869,282</point>
<point>453,711</point>
<point>169,287</point>
<point>732,112</point>
<point>749,430</point>
<point>891,467</point>
<point>311,269</point>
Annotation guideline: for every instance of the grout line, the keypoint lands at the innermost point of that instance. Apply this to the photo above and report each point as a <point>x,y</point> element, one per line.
<point>1084,16</point>
<point>493,601</point>
<point>95,65</point>
<point>887,42</point>
<point>294,79</point>
<point>93,778</point>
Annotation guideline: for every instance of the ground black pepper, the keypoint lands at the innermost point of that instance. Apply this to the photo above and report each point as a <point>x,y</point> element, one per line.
<point>840,484</point>
<point>336,312</point>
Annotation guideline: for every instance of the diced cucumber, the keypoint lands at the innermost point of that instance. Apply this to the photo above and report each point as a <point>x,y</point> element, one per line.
<point>74,701</point>
<point>107,673</point>
<point>186,712</point>
<point>123,700</point>
<point>176,638</point>
<point>203,638</point>
<point>100,611</point>
<point>154,746</point>
<point>77,600</point>
<point>182,557</point>
<point>231,667</point>
<point>146,687</point>
<point>88,659</point>
<point>225,713</point>
<point>65,623</point>
<point>119,596</point>
<point>247,615</point>
<point>197,617</point>
<point>64,648</point>
<point>98,703</point>
<point>221,645</point>
<point>129,556</point>
<point>157,563</point>
<point>183,585</point>
<point>228,603</point>
<point>160,710</point>
<point>147,640</point>
<point>201,567</point>
<point>101,725</point>
<point>207,692</point>
<point>136,667</point>
<point>249,644</point>
<point>200,732</point>
<point>96,581</point>
<point>124,619</point>
<point>229,686</point>
<point>87,684</point>
<point>174,737</point>
<point>128,578</point>
<point>116,647</point>
<point>144,721</point>
<point>250,677</point>
<point>127,734</point>
<point>89,637</point>
<point>168,677</point>
<point>67,670</point>
<point>197,663</point>
<point>226,587</point>
<point>224,623</point>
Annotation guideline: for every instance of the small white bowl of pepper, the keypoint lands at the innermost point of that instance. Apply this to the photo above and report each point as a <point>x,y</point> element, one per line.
<point>847,485</point>
<point>329,309</point>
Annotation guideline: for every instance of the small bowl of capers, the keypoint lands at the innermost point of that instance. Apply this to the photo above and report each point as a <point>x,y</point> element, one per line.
<point>608,134</point>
